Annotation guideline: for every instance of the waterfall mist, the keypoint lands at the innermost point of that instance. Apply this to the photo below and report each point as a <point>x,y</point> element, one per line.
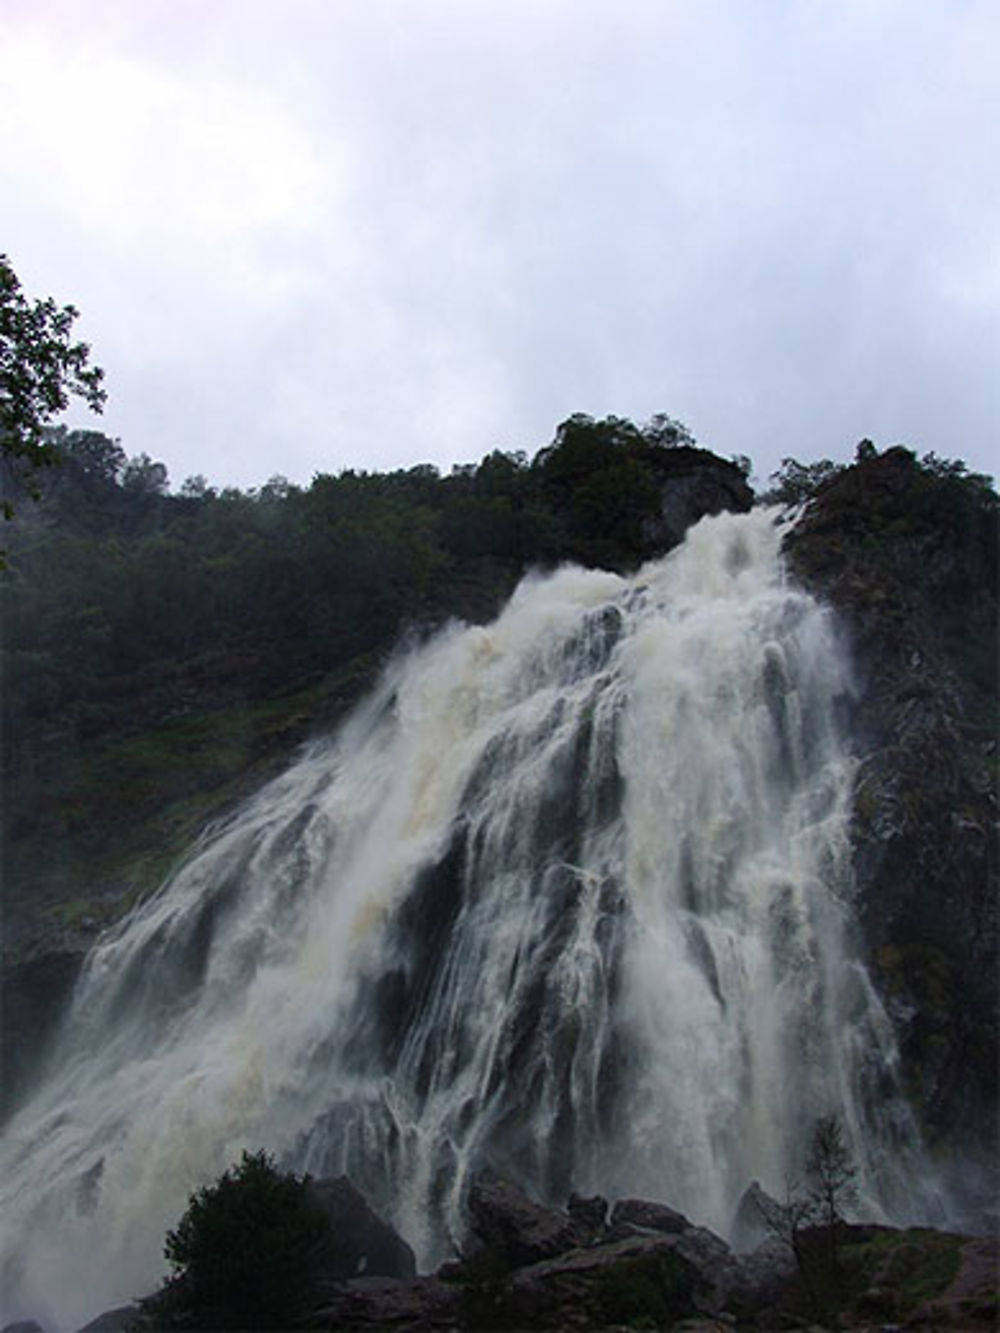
<point>569,894</point>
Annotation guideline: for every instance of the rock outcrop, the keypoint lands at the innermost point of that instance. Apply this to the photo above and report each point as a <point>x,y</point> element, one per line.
<point>33,995</point>
<point>908,560</point>
<point>365,1244</point>
<point>696,484</point>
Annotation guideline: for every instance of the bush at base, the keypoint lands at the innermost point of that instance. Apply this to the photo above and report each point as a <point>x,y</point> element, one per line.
<point>245,1249</point>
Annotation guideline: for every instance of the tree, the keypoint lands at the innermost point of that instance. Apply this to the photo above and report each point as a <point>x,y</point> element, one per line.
<point>245,1248</point>
<point>830,1186</point>
<point>142,476</point>
<point>40,367</point>
<point>667,432</point>
<point>832,1175</point>
<point>796,482</point>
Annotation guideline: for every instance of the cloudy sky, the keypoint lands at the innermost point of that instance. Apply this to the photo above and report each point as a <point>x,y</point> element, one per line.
<point>306,235</point>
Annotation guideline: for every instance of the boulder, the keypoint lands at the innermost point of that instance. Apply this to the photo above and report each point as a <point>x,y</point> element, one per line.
<point>719,1282</point>
<point>640,1277</point>
<point>502,1218</point>
<point>757,1216</point>
<point>363,1243</point>
<point>648,1216</point>
<point>589,1214</point>
<point>381,1302</point>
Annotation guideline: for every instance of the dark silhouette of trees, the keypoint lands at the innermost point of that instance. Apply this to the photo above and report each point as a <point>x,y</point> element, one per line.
<point>41,367</point>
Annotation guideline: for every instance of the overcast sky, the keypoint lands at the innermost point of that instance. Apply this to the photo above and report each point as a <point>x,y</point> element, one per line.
<point>307,235</point>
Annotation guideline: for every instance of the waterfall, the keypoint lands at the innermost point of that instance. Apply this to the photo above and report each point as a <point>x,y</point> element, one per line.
<point>569,894</point>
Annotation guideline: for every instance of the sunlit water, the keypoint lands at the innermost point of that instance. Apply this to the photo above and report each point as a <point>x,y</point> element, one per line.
<point>569,894</point>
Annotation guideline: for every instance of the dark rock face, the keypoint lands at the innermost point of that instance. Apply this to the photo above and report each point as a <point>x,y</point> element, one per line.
<point>754,1212</point>
<point>641,1276</point>
<point>909,562</point>
<point>364,1243</point>
<point>698,484</point>
<point>649,1216</point>
<point>118,1320</point>
<point>503,1219</point>
<point>34,996</point>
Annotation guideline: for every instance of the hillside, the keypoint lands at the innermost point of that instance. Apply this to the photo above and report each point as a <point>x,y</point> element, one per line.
<point>165,654</point>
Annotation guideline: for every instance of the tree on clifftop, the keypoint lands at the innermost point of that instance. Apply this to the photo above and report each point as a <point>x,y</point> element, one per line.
<point>40,367</point>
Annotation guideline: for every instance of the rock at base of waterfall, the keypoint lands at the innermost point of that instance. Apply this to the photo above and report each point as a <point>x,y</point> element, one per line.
<point>365,1245</point>
<point>757,1216</point>
<point>503,1219</point>
<point>649,1216</point>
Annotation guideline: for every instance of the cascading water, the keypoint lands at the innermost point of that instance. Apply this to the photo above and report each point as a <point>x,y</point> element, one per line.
<point>570,894</point>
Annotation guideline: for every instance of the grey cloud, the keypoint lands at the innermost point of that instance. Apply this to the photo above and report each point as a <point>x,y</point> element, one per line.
<point>773,221</point>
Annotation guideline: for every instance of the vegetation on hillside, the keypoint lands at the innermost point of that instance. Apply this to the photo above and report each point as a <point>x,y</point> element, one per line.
<point>245,1251</point>
<point>160,649</point>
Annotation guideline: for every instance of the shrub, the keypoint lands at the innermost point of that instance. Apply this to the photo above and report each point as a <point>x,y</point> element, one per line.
<point>246,1247</point>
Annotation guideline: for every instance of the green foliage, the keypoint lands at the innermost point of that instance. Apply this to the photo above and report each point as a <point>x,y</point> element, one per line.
<point>648,1292</point>
<point>129,611</point>
<point>40,367</point>
<point>486,1291</point>
<point>796,482</point>
<point>246,1247</point>
<point>831,1171</point>
<point>948,485</point>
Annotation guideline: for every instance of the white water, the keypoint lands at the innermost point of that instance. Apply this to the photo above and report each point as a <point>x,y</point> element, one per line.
<point>570,894</point>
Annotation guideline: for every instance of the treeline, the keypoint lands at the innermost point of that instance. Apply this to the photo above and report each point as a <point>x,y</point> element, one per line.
<point>113,581</point>
<point>162,651</point>
<point>123,601</point>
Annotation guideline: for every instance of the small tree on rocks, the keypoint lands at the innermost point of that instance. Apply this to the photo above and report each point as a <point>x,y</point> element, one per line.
<point>245,1249</point>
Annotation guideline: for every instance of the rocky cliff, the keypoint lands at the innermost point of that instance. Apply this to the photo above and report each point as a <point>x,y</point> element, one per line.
<point>908,560</point>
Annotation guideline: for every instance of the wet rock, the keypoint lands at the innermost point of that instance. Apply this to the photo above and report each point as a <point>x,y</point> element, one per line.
<point>637,1278</point>
<point>756,1215</point>
<point>34,995</point>
<point>698,484</point>
<point>589,1214</point>
<point>502,1218</point>
<point>909,561</point>
<point>363,1243</point>
<point>719,1281</point>
<point>649,1216</point>
<point>119,1320</point>
<point>383,1303</point>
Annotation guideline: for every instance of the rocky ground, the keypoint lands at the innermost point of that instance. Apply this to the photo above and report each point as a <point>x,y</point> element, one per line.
<point>634,1265</point>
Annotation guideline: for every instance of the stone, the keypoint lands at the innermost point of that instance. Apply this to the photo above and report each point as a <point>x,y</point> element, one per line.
<point>640,1277</point>
<point>756,1217</point>
<point>590,1214</point>
<point>363,1243</point>
<point>649,1216</point>
<point>119,1320</point>
<point>504,1219</point>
